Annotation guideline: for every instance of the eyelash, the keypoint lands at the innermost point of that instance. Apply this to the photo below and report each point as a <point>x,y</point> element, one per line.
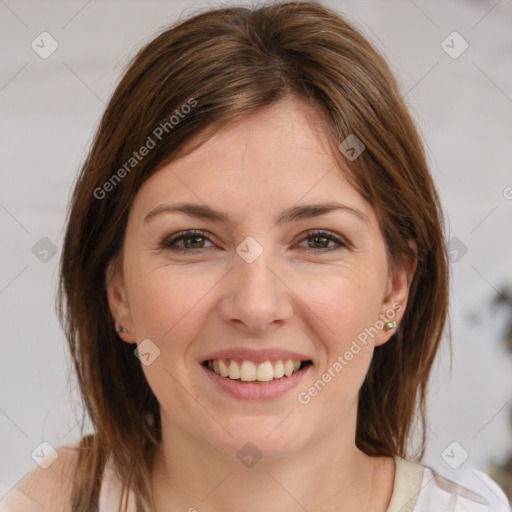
<point>169,242</point>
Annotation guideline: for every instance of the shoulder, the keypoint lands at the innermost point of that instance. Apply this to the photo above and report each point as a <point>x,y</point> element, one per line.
<point>48,486</point>
<point>468,490</point>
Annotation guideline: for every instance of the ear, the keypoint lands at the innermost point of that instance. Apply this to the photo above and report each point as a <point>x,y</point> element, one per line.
<point>118,299</point>
<point>396,295</point>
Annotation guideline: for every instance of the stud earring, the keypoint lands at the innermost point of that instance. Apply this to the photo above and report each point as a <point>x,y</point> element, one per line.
<point>390,325</point>
<point>121,330</point>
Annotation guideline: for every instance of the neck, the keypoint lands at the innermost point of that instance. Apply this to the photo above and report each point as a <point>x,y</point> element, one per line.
<point>192,475</point>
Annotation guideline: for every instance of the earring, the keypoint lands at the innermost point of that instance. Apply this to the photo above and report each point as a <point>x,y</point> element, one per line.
<point>121,330</point>
<point>390,325</point>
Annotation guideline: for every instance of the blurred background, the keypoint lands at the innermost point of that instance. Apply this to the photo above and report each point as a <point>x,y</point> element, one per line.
<point>60,63</point>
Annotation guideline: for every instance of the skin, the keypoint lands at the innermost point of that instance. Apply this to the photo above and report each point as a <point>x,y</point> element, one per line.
<point>302,294</point>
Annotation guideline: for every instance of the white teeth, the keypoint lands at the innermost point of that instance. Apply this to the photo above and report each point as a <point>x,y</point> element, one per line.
<point>234,370</point>
<point>224,371</point>
<point>288,367</point>
<point>249,371</point>
<point>278,369</point>
<point>265,372</point>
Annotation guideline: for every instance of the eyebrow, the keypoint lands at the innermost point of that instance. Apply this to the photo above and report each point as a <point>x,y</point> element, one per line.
<point>293,214</point>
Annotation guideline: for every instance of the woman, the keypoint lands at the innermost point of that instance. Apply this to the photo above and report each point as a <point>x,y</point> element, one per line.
<point>254,281</point>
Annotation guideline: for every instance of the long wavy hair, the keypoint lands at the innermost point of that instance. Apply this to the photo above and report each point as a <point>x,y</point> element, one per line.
<point>233,62</point>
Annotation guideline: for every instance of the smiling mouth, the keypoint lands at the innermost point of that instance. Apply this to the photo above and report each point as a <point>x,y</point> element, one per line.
<point>248,371</point>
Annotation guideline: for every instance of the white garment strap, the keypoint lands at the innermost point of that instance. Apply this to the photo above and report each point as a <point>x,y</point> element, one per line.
<point>408,477</point>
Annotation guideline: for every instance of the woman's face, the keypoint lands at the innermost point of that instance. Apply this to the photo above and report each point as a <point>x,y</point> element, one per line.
<point>260,285</point>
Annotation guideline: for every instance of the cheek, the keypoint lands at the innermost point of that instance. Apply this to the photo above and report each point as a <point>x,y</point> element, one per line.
<point>344,309</point>
<point>169,307</point>
<point>167,303</point>
<point>345,301</point>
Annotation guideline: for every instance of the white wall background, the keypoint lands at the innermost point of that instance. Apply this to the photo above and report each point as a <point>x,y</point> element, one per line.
<point>50,107</point>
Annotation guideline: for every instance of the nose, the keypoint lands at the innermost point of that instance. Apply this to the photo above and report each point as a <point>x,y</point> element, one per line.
<point>256,298</point>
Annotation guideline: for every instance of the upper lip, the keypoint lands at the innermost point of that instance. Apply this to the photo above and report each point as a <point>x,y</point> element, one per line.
<point>256,355</point>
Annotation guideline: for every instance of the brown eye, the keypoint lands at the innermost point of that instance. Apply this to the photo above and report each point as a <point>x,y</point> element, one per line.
<point>321,240</point>
<point>191,240</point>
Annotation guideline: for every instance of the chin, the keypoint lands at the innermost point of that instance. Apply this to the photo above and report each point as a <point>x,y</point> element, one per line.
<point>260,437</point>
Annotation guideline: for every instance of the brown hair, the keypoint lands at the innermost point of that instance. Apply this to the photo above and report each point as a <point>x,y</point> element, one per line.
<point>233,62</point>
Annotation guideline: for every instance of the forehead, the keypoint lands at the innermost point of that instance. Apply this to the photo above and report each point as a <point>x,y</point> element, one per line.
<point>268,161</point>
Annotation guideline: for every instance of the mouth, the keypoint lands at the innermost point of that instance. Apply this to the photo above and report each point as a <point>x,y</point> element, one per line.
<point>246,371</point>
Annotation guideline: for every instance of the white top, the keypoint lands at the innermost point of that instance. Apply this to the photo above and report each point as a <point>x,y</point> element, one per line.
<point>417,488</point>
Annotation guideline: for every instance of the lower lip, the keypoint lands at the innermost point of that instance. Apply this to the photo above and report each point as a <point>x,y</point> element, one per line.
<point>254,391</point>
